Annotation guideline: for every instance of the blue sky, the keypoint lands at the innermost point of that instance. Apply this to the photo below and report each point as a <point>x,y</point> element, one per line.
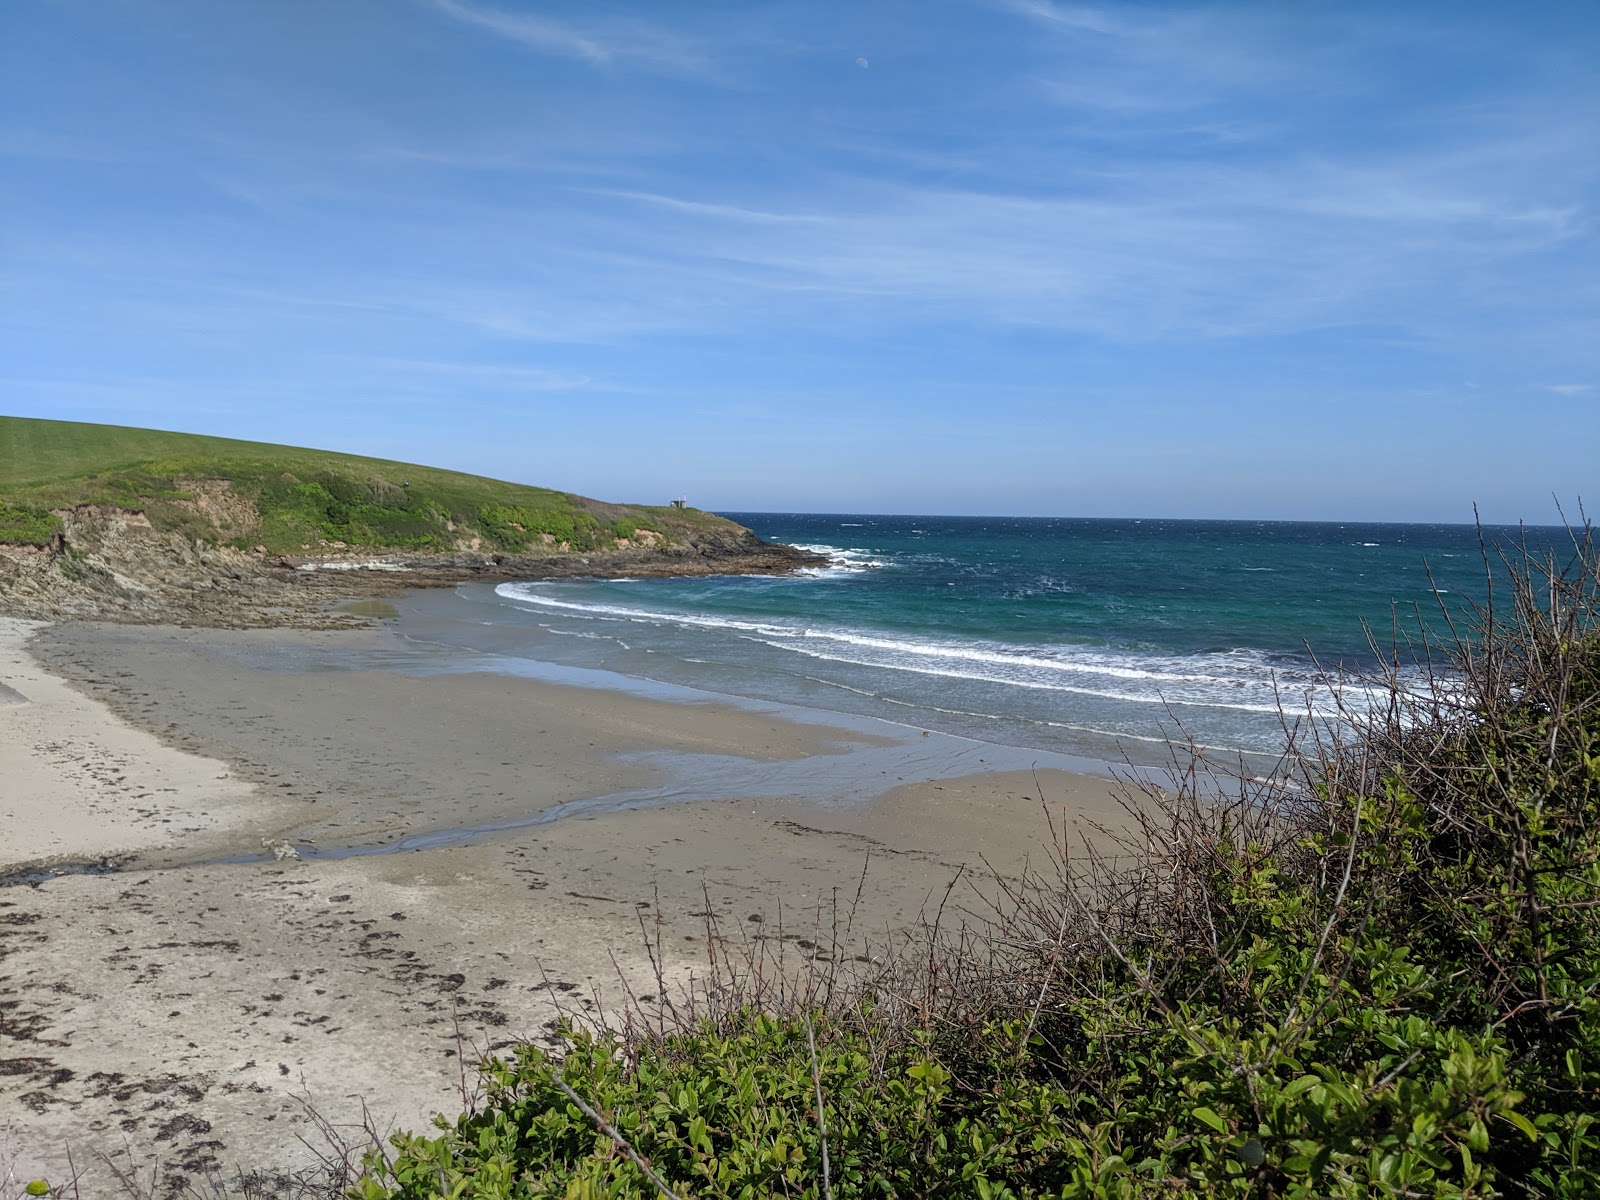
<point>997,256</point>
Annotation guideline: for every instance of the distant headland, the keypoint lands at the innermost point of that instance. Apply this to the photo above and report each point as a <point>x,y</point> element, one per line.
<point>111,522</point>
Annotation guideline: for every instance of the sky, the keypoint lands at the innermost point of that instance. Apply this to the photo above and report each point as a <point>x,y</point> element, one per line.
<point>1282,261</point>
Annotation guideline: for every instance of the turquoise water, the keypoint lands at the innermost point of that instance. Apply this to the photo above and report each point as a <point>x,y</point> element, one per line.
<point>1089,637</point>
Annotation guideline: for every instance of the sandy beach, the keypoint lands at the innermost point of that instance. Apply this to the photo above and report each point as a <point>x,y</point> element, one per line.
<point>179,1013</point>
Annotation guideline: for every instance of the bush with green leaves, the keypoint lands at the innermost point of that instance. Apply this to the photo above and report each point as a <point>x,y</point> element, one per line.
<point>23,525</point>
<point>518,528</point>
<point>1373,974</point>
<point>331,507</point>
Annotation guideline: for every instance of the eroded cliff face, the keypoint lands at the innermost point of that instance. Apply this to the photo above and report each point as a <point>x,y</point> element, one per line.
<point>112,564</point>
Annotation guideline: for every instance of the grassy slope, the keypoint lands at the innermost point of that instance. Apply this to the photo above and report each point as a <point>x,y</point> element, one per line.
<point>302,495</point>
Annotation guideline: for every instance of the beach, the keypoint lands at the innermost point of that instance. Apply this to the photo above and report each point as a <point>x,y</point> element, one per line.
<point>480,852</point>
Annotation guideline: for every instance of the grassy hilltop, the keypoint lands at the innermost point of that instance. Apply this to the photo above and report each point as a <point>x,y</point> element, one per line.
<point>288,499</point>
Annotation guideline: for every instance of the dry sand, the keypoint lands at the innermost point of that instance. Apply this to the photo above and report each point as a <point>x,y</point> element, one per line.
<point>75,784</point>
<point>176,1014</point>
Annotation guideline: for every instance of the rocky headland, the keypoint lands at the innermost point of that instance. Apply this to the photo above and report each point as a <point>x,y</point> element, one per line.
<point>113,564</point>
<point>101,522</point>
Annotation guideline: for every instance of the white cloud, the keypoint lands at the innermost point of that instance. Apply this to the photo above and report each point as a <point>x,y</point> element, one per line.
<point>1192,248</point>
<point>702,208</point>
<point>31,143</point>
<point>618,39</point>
<point>1063,16</point>
<point>513,378</point>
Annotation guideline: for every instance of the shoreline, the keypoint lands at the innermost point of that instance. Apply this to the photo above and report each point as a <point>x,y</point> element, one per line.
<point>182,1006</point>
<point>619,742</point>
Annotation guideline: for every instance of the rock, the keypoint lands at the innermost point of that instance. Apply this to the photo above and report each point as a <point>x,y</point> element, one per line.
<point>112,564</point>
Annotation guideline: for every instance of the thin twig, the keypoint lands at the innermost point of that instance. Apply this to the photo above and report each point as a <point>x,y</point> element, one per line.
<point>610,1131</point>
<point>822,1121</point>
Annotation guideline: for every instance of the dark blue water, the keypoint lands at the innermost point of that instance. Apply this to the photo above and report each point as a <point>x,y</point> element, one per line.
<point>1093,637</point>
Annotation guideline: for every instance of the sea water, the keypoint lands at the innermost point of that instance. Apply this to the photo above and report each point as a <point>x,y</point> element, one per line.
<point>1096,638</point>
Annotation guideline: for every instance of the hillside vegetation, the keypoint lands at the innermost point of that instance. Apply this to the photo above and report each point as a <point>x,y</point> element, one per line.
<point>1375,975</point>
<point>290,500</point>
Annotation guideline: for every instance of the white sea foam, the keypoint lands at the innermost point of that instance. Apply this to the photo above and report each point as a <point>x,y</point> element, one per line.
<point>774,634</point>
<point>1239,680</point>
<point>373,564</point>
<point>841,560</point>
<point>1044,585</point>
<point>523,593</point>
<point>1157,696</point>
<point>578,633</point>
<point>843,687</point>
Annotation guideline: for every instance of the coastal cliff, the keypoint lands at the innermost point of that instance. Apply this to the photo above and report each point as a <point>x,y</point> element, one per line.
<point>105,523</point>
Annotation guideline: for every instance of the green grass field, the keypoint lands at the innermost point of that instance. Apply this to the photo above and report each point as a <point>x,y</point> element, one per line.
<point>300,496</point>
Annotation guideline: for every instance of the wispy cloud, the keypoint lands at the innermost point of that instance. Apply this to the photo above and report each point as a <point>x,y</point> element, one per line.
<point>699,208</point>
<point>1570,389</point>
<point>1063,16</point>
<point>30,143</point>
<point>452,159</point>
<point>600,44</point>
<point>494,375</point>
<point>1195,249</point>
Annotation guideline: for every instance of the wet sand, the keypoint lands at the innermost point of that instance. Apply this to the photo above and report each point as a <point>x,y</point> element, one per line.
<point>180,1009</point>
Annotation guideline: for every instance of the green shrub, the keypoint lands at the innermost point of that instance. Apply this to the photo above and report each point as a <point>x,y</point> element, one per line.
<point>518,528</point>
<point>332,507</point>
<point>25,526</point>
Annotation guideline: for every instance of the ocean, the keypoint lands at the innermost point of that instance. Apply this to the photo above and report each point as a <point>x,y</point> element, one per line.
<point>1098,639</point>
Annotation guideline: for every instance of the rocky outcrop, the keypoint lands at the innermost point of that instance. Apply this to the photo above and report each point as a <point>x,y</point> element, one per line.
<point>112,564</point>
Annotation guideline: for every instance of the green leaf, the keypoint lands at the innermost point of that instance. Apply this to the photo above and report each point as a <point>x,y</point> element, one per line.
<point>1210,1117</point>
<point>1522,1123</point>
<point>1300,1086</point>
